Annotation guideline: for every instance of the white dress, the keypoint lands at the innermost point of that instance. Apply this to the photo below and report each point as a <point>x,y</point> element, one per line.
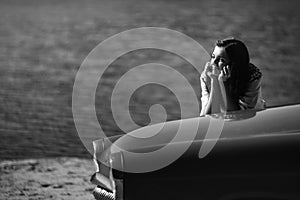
<point>251,98</point>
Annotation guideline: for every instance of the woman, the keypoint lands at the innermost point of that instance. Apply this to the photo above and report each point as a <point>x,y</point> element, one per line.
<point>229,81</point>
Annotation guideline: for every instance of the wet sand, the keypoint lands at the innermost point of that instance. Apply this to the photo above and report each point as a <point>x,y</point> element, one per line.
<point>51,178</point>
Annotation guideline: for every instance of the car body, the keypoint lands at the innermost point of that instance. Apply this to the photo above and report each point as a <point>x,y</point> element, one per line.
<point>255,157</point>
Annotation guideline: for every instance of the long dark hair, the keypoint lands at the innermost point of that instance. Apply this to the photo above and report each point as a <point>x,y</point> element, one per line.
<point>238,55</point>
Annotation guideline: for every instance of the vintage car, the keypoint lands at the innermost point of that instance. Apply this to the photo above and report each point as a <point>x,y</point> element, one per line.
<point>255,157</point>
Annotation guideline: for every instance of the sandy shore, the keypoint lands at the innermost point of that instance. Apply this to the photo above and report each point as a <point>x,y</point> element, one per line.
<point>51,178</point>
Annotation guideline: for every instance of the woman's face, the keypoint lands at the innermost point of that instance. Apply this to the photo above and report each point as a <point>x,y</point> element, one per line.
<point>219,58</point>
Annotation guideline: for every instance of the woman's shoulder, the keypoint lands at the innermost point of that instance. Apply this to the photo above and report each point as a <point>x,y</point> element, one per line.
<point>255,79</point>
<point>255,73</point>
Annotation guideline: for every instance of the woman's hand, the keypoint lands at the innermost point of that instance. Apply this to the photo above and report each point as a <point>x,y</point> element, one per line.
<point>225,74</point>
<point>211,70</point>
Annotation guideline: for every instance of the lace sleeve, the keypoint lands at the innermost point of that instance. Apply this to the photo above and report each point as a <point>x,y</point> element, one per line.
<point>252,95</point>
